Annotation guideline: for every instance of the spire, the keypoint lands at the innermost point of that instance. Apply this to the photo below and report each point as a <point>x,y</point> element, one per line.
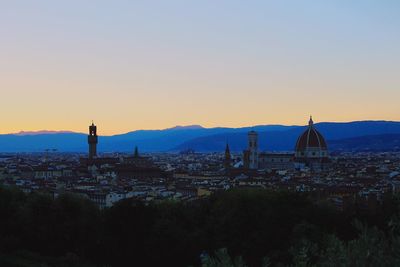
<point>136,154</point>
<point>227,150</point>
<point>311,122</point>
<point>228,158</point>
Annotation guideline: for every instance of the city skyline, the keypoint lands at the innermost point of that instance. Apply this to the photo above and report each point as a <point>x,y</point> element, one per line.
<point>199,133</point>
<point>131,66</point>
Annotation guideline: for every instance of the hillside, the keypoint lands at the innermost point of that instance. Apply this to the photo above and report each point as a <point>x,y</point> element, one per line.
<point>271,137</point>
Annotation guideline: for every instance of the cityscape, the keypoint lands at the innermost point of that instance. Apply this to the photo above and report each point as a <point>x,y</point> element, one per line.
<point>346,179</point>
<point>260,133</point>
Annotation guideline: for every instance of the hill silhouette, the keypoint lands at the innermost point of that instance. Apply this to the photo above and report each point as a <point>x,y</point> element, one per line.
<point>271,138</point>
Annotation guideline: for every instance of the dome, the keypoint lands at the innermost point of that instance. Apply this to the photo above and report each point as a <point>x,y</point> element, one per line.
<point>311,139</point>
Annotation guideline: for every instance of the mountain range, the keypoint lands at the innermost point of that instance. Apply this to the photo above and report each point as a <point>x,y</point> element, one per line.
<point>348,136</point>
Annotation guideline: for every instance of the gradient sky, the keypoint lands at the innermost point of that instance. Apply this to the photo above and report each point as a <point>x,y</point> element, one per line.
<point>155,64</point>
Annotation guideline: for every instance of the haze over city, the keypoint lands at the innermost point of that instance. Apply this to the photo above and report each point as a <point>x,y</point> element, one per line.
<point>155,64</point>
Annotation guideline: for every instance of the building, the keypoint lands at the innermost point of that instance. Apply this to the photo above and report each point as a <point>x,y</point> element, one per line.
<point>254,160</point>
<point>251,154</point>
<point>92,141</point>
<point>133,167</point>
<point>311,149</point>
<point>277,161</point>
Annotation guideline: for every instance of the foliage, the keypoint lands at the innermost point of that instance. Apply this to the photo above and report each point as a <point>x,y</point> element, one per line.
<point>256,227</point>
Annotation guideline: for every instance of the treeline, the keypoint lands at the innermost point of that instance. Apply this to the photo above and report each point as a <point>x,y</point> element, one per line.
<point>259,226</point>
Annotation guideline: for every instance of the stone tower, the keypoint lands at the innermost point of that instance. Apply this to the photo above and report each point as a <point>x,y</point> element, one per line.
<point>92,141</point>
<point>253,150</point>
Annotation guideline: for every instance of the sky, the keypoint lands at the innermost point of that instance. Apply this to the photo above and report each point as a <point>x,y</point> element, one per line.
<point>149,64</point>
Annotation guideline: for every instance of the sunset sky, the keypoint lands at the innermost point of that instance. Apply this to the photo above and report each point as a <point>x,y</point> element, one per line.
<point>147,64</point>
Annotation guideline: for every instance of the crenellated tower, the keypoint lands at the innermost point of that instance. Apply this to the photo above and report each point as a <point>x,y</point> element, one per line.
<point>92,141</point>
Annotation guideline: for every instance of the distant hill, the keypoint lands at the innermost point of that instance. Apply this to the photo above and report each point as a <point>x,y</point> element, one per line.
<point>41,132</point>
<point>146,140</point>
<point>272,138</point>
<point>383,142</point>
<point>169,139</point>
<point>63,142</point>
<point>286,140</point>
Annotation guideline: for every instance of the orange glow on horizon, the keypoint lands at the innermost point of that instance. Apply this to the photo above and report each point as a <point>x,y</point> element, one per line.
<point>129,66</point>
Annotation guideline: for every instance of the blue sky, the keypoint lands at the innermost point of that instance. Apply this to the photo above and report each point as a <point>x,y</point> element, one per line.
<point>154,64</point>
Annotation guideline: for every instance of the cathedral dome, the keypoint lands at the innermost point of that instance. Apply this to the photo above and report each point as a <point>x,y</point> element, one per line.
<point>311,140</point>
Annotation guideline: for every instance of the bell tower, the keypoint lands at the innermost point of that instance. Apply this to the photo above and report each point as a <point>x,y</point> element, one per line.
<point>92,141</point>
<point>253,150</point>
